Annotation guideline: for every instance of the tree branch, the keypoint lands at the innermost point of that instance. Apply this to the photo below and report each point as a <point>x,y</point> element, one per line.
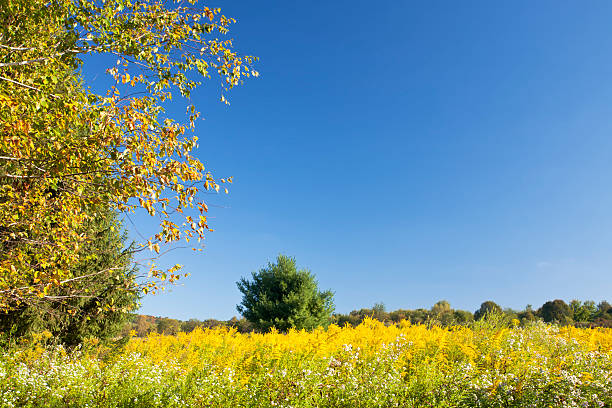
<point>20,83</point>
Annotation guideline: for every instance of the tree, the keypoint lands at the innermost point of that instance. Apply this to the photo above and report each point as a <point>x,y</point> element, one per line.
<point>143,325</point>
<point>190,325</point>
<point>379,312</point>
<point>166,325</point>
<point>486,308</point>
<point>66,151</point>
<point>556,311</point>
<point>352,319</point>
<point>441,307</point>
<point>106,288</point>
<point>603,316</point>
<point>604,308</point>
<point>583,312</point>
<point>398,315</point>
<point>242,325</point>
<point>463,316</point>
<point>527,315</point>
<point>284,297</point>
<point>511,314</point>
<point>442,313</point>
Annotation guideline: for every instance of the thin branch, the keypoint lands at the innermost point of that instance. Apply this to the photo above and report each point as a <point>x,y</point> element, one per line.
<point>68,297</point>
<point>27,62</point>
<point>18,176</point>
<point>61,282</point>
<point>42,59</point>
<point>20,83</point>
<point>17,48</point>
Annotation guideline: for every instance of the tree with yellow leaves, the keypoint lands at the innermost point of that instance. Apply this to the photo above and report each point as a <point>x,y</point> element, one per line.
<point>66,152</point>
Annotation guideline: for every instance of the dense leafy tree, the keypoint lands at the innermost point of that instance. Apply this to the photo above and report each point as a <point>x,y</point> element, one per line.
<point>143,325</point>
<point>442,313</point>
<point>511,314</point>
<point>556,311</point>
<point>398,315</point>
<point>486,308</point>
<point>190,325</point>
<point>66,150</point>
<point>355,317</point>
<point>420,316</point>
<point>379,312</point>
<point>463,316</point>
<point>526,316</point>
<point>242,325</point>
<point>583,312</point>
<point>168,326</point>
<point>441,307</point>
<point>346,319</point>
<point>603,316</point>
<point>104,280</point>
<point>284,297</point>
<point>604,308</point>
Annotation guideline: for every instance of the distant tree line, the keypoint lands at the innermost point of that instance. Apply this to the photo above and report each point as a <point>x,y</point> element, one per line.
<point>577,313</point>
<point>143,325</point>
<point>441,313</point>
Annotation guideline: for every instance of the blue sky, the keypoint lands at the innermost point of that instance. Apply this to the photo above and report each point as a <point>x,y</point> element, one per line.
<point>407,152</point>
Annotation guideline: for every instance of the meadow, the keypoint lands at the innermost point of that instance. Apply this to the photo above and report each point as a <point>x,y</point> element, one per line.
<point>371,365</point>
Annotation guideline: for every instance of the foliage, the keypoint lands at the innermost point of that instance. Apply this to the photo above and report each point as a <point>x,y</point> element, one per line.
<point>144,325</point>
<point>67,151</point>
<point>283,297</point>
<point>527,316</point>
<point>140,325</point>
<point>104,277</point>
<point>583,312</point>
<point>440,314</point>
<point>556,311</point>
<point>462,316</point>
<point>487,307</point>
<point>604,308</point>
<point>168,326</point>
<point>371,365</point>
<point>379,311</point>
<point>441,307</point>
<point>191,324</point>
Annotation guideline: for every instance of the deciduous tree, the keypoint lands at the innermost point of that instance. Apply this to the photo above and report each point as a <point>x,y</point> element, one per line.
<point>66,151</point>
<point>486,308</point>
<point>556,311</point>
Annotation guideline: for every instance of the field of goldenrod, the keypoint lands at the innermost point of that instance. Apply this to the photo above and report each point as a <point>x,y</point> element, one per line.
<point>370,365</point>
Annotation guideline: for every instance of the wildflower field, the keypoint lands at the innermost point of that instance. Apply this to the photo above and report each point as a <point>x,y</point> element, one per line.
<point>370,365</point>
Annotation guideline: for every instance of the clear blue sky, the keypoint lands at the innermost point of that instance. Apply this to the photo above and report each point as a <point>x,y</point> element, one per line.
<point>407,152</point>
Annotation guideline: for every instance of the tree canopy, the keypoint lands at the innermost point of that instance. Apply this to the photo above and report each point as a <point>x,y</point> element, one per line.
<point>67,151</point>
<point>556,311</point>
<point>283,297</point>
<point>486,308</point>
